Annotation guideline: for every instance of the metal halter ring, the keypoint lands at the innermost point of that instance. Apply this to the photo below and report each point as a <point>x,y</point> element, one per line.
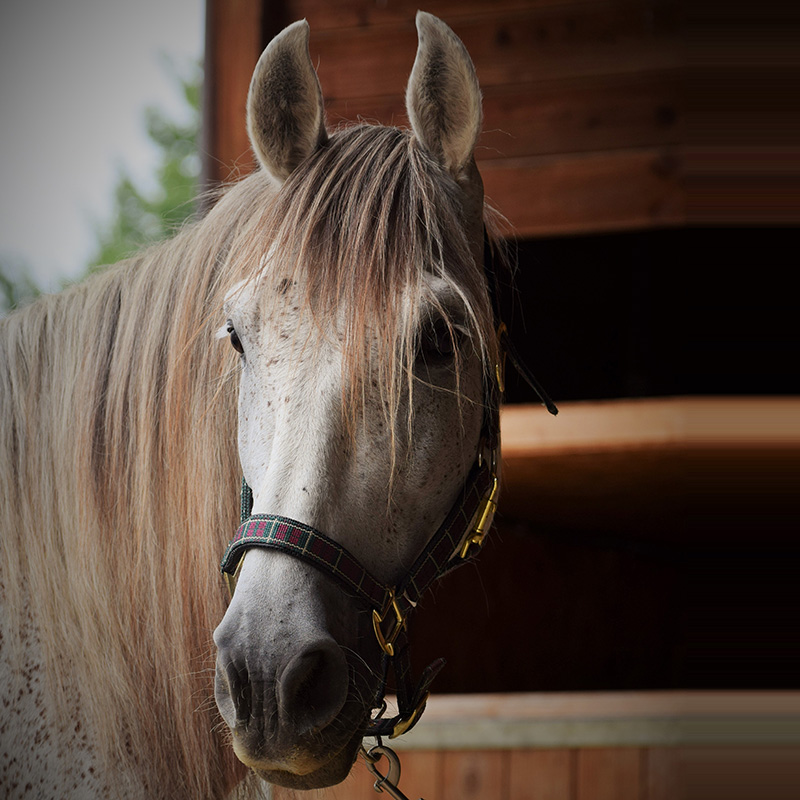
<point>387,641</point>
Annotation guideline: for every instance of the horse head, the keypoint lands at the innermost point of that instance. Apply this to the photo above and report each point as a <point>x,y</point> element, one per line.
<point>364,333</point>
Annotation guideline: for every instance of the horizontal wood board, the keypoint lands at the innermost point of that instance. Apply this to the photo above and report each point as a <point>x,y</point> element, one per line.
<point>602,772</point>
<point>583,101</point>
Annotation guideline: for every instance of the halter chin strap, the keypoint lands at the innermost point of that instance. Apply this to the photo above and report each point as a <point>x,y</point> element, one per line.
<point>458,540</point>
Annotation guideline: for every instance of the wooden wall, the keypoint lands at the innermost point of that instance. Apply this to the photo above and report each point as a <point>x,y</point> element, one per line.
<point>597,746</point>
<point>590,773</point>
<point>582,100</point>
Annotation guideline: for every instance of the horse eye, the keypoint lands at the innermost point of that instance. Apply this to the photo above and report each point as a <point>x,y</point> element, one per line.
<point>438,341</point>
<point>235,341</point>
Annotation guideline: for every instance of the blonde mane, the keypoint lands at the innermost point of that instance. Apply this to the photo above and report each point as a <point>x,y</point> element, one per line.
<point>119,471</point>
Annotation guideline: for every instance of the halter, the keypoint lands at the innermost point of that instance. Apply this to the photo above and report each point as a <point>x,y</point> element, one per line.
<point>457,541</point>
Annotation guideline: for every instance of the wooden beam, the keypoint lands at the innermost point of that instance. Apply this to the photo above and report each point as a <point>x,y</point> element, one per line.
<point>233,45</point>
<point>508,48</point>
<point>610,190</point>
<point>563,116</point>
<point>680,469</point>
<point>653,423</point>
<point>519,720</point>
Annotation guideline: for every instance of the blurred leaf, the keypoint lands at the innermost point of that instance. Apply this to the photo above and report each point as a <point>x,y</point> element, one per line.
<point>140,217</point>
<point>17,287</point>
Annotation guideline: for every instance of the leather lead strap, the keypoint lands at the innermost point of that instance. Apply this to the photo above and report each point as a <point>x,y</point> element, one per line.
<point>506,344</point>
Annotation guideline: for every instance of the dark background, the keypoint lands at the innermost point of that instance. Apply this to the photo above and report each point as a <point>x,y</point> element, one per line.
<point>707,599</point>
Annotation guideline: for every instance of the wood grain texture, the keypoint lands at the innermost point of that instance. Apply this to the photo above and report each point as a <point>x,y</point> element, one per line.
<point>475,775</point>
<point>575,115</point>
<point>609,773</point>
<point>507,48</point>
<point>610,190</point>
<point>547,774</point>
<point>233,46</point>
<point>663,774</point>
<point>363,13</point>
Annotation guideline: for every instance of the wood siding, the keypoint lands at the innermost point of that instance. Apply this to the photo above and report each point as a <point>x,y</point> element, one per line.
<point>606,773</point>
<point>614,746</point>
<point>582,100</point>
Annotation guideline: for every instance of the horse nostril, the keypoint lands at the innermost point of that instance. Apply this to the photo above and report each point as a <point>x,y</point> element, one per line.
<point>313,686</point>
<point>233,694</point>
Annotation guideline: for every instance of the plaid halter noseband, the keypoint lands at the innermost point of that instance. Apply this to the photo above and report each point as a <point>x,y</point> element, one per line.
<point>457,541</point>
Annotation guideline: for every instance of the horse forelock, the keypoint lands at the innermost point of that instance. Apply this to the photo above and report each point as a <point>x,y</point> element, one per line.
<point>359,226</point>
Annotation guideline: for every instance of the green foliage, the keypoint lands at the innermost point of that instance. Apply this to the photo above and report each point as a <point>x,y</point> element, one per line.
<point>17,288</point>
<point>140,217</point>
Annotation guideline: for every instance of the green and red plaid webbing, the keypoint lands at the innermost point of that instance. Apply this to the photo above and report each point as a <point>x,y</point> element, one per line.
<point>309,545</point>
<point>317,549</point>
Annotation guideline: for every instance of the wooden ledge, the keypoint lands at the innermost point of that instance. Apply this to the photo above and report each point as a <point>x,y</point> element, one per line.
<point>618,719</point>
<point>663,423</point>
<point>656,467</point>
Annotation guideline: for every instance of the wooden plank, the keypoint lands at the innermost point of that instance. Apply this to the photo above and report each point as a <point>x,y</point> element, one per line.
<point>507,48</point>
<point>583,114</point>
<point>662,423</point>
<point>524,720</point>
<point>620,190</point>
<point>749,184</point>
<point>609,773</point>
<point>233,45</point>
<point>662,779</point>
<point>658,466</point>
<point>541,774</point>
<point>421,773</point>
<point>740,773</point>
<point>474,775</point>
<point>361,13</point>
<point>461,709</point>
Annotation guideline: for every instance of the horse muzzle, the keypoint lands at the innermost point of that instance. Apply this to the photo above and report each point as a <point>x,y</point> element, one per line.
<point>286,678</point>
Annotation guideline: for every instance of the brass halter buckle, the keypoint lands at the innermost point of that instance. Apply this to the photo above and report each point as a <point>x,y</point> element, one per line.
<point>410,721</point>
<point>387,641</point>
<point>485,513</point>
<point>483,521</point>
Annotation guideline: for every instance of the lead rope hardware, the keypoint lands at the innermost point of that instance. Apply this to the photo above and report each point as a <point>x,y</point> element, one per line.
<point>388,782</point>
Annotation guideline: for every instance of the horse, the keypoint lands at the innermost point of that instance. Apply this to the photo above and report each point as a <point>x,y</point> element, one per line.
<point>331,314</point>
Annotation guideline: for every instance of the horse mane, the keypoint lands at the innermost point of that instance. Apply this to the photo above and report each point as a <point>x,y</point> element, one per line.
<point>118,462</point>
<point>119,480</point>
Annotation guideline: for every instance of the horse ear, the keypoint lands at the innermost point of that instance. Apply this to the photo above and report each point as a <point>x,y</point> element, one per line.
<point>285,112</point>
<point>443,99</point>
